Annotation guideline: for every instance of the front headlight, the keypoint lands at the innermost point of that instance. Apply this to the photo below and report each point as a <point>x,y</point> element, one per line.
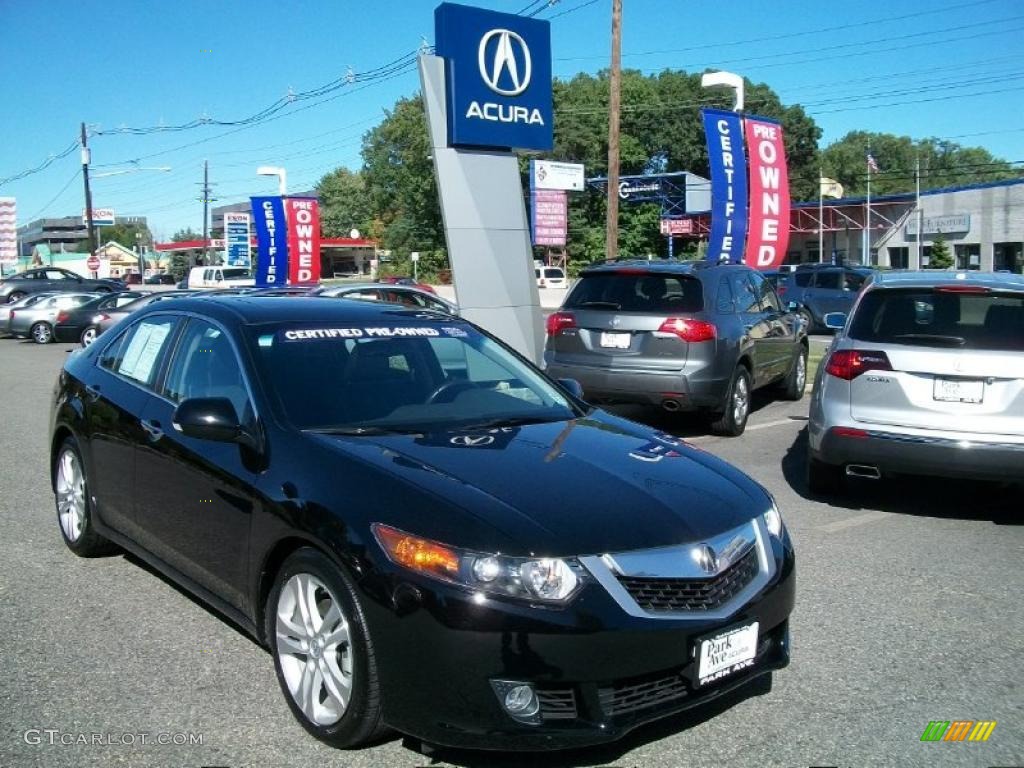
<point>773,520</point>
<point>548,579</point>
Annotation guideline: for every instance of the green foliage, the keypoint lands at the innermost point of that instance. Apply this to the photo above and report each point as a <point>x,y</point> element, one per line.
<point>940,257</point>
<point>179,264</point>
<point>128,235</point>
<point>184,235</point>
<point>943,163</point>
<point>344,204</point>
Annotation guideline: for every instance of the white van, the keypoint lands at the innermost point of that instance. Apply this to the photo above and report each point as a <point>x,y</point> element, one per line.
<point>550,277</point>
<point>220,277</point>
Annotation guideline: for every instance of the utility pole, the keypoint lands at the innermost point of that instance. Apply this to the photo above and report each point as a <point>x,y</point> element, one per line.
<point>919,213</point>
<point>615,85</point>
<point>88,193</point>
<point>206,211</point>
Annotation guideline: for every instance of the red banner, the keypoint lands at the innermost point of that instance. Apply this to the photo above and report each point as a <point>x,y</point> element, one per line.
<point>303,214</point>
<point>768,223</point>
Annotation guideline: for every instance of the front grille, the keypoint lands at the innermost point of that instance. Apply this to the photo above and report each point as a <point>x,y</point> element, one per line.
<point>622,698</point>
<point>557,703</point>
<point>663,595</point>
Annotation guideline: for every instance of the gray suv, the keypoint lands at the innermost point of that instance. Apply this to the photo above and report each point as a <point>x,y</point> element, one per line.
<point>926,377</point>
<point>685,336</point>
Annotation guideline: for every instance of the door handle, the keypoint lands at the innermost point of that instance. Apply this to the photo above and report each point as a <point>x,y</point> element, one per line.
<point>153,430</point>
<point>92,392</point>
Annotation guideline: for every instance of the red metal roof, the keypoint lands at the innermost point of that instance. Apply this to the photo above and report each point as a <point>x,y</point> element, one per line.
<point>329,242</point>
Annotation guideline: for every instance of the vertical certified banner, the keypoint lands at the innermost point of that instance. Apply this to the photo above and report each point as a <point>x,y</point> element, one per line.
<point>236,239</point>
<point>769,194</point>
<point>303,239</point>
<point>724,132</point>
<point>271,241</point>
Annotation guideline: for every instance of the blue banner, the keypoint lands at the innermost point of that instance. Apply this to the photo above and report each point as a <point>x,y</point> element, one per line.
<point>728,163</point>
<point>271,241</point>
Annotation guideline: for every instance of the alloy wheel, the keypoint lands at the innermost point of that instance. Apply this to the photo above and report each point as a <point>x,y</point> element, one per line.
<point>740,400</point>
<point>314,649</point>
<point>41,333</point>
<point>88,336</point>
<point>70,495</point>
<point>801,372</point>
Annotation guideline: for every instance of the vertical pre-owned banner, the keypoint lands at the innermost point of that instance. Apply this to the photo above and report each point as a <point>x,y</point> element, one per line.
<point>724,131</point>
<point>769,194</point>
<point>303,239</point>
<point>271,241</point>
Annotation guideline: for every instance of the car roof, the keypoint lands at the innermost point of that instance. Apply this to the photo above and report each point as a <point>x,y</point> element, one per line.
<point>672,266</point>
<point>1003,281</point>
<point>256,310</point>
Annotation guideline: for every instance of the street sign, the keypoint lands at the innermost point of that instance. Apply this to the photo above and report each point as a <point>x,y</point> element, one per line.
<point>498,72</point>
<point>93,263</point>
<point>677,226</point>
<point>548,174</point>
<point>101,217</point>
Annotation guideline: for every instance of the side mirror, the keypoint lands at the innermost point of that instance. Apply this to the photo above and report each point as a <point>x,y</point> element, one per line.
<point>835,320</point>
<point>573,387</point>
<point>208,418</point>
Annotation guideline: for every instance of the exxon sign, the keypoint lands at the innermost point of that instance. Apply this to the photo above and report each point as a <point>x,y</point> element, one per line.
<point>498,69</point>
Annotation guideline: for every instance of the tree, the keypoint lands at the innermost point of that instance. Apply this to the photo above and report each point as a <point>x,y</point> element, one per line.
<point>344,204</point>
<point>943,163</point>
<point>940,257</point>
<point>184,235</point>
<point>179,264</point>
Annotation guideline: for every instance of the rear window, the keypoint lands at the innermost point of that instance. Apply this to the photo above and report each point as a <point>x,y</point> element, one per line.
<point>637,292</point>
<point>927,317</point>
<point>554,272</point>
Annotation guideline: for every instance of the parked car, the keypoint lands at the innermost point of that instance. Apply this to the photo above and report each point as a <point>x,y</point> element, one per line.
<point>393,293</point>
<point>133,278</point>
<point>822,288</point>
<point>53,280</point>
<point>37,321</point>
<point>110,317</point>
<point>78,323</point>
<point>550,277</point>
<point>24,302</point>
<point>160,278</point>
<point>394,280</point>
<point>685,336</point>
<point>220,277</point>
<point>351,519</point>
<point>926,376</point>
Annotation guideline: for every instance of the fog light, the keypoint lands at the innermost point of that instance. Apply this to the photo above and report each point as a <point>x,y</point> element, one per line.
<point>519,700</point>
<point>486,569</point>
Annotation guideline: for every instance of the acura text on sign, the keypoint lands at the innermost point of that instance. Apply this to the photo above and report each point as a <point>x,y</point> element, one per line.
<point>303,239</point>
<point>768,222</point>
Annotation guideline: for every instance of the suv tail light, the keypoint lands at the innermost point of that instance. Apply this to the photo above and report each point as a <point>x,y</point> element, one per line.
<point>689,330</point>
<point>558,320</point>
<point>848,364</point>
<point>62,316</point>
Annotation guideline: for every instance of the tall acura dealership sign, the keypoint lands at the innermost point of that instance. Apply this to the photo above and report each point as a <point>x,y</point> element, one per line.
<point>757,236</point>
<point>486,93</point>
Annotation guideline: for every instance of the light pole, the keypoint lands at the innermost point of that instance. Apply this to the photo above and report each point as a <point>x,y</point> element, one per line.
<point>273,170</point>
<point>725,80</point>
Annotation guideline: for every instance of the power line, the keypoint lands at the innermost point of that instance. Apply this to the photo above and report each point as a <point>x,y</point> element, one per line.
<point>43,165</point>
<point>566,12</point>
<point>56,197</point>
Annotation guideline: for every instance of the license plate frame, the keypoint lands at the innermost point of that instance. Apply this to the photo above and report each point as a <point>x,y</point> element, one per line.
<point>740,656</point>
<point>947,390</point>
<point>616,340</point>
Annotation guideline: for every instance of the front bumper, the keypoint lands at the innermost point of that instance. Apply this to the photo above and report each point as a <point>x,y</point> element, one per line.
<point>599,672</point>
<point>922,454</point>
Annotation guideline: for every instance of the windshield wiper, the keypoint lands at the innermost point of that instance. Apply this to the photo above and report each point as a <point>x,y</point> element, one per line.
<point>933,338</point>
<point>365,431</point>
<point>514,421</point>
<point>606,304</point>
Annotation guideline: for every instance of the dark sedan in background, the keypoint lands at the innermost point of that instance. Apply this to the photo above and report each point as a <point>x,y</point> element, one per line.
<point>113,315</point>
<point>53,280</point>
<point>313,470</point>
<point>79,323</point>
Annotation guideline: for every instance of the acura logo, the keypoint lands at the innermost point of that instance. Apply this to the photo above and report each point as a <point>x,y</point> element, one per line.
<point>472,441</point>
<point>706,558</point>
<point>503,61</point>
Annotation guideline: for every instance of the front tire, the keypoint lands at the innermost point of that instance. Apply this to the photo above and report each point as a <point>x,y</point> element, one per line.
<point>323,655</point>
<point>41,333</point>
<point>733,421</point>
<point>74,505</point>
<point>15,296</point>
<point>89,335</point>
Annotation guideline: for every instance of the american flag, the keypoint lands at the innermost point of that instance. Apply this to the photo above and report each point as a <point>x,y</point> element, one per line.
<point>8,229</point>
<point>872,165</point>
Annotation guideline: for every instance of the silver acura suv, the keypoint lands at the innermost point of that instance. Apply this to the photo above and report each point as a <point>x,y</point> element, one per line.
<point>926,376</point>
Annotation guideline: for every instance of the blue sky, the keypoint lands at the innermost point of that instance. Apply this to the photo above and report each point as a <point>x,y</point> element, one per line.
<point>952,69</point>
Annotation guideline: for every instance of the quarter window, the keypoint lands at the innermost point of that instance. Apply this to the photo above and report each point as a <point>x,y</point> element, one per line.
<point>138,354</point>
<point>769,302</point>
<point>205,365</point>
<point>743,290</point>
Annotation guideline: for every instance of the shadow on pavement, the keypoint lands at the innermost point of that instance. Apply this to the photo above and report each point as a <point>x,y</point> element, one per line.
<point>682,424</point>
<point>941,497</point>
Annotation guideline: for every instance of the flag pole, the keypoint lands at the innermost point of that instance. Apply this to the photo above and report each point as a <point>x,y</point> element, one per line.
<point>821,218</point>
<point>867,218</point>
<point>919,212</point>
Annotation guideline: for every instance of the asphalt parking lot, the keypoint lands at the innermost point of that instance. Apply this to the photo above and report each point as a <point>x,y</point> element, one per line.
<point>909,610</point>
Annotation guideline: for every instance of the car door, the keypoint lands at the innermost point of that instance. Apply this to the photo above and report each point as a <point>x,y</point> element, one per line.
<point>59,280</point>
<point>114,401</point>
<point>195,496</point>
<point>826,292</point>
<point>780,339</point>
<point>755,324</point>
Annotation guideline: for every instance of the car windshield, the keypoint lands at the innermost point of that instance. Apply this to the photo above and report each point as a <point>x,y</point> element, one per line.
<point>941,317</point>
<point>405,373</point>
<point>637,292</point>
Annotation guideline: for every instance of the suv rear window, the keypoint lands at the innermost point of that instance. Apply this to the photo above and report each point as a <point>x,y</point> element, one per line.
<point>928,317</point>
<point>637,292</point>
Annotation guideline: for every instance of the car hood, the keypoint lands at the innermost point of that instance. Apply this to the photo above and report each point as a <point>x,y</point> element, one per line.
<point>588,486</point>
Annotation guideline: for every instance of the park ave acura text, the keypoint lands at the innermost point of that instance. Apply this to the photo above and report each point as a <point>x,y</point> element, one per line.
<point>426,532</point>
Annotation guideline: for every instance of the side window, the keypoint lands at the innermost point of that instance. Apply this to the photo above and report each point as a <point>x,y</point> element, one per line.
<point>743,291</point>
<point>55,274</point>
<point>766,294</point>
<point>435,304</point>
<point>852,281</point>
<point>205,365</point>
<point>803,277</point>
<point>368,294</point>
<point>830,280</point>
<point>138,354</point>
<point>725,299</point>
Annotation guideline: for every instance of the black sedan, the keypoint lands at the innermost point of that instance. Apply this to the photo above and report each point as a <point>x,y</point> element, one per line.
<point>79,323</point>
<point>425,531</point>
<point>53,280</point>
